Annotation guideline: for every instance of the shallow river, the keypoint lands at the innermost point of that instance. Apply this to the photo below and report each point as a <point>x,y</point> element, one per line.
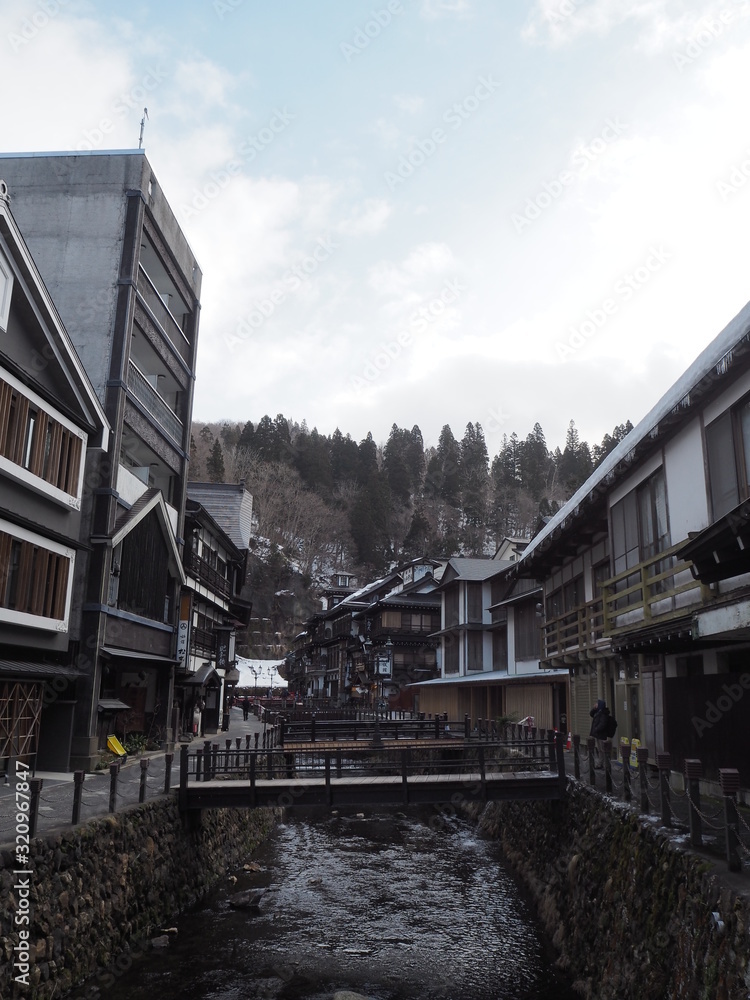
<point>384,905</point>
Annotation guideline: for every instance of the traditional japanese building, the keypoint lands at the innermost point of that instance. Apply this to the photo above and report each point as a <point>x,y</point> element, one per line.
<point>53,433</point>
<point>127,287</point>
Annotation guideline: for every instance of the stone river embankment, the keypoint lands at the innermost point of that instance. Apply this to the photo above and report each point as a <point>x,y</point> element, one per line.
<point>630,911</point>
<point>95,894</point>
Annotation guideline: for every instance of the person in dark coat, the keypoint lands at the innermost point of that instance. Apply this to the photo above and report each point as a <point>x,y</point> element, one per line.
<point>599,727</point>
<point>245,707</point>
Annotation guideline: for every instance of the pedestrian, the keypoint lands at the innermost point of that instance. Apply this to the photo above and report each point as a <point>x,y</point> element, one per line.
<point>603,727</point>
<point>245,707</point>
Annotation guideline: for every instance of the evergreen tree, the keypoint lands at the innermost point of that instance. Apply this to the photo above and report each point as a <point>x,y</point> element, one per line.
<point>575,464</point>
<point>474,475</point>
<point>215,464</point>
<point>395,465</point>
<point>344,458</point>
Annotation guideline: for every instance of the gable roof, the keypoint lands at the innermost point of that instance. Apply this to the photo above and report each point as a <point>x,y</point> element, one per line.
<point>476,570</point>
<point>149,502</point>
<point>230,505</point>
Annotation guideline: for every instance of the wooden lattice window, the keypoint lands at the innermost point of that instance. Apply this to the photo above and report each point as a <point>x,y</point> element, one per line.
<point>20,714</point>
<point>33,579</point>
<point>33,439</point>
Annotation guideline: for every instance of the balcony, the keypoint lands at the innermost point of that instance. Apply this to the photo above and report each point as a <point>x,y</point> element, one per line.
<point>656,590</point>
<point>203,640</point>
<point>156,304</point>
<point>206,573</point>
<point>150,399</point>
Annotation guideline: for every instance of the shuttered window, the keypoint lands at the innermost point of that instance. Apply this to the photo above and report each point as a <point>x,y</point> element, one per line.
<point>34,440</point>
<point>33,579</point>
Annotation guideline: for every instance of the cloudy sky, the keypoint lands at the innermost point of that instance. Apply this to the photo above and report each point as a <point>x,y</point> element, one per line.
<point>422,211</point>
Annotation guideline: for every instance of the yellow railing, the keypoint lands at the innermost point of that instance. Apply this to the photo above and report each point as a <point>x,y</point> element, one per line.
<point>580,629</point>
<point>646,593</point>
<point>650,588</point>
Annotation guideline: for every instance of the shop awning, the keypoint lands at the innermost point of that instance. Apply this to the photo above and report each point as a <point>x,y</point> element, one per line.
<point>206,674</point>
<point>113,705</point>
<point>41,671</point>
<point>135,654</point>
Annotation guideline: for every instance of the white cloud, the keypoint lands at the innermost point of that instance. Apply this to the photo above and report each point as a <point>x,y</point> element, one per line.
<point>433,9</point>
<point>659,24</point>
<point>409,104</point>
<point>366,218</point>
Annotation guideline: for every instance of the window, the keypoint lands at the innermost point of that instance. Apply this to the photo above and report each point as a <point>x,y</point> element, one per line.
<point>500,650</point>
<point>474,645</point>
<point>31,438</point>
<point>450,651</point>
<point>474,602</point>
<point>34,580</point>
<point>451,607</point>
<point>640,530</point>
<point>728,453</point>
<point>527,631</point>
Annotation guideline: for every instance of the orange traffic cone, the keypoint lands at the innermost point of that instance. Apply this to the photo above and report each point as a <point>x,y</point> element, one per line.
<point>570,741</point>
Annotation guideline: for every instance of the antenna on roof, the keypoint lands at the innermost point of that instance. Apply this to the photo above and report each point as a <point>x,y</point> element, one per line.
<point>143,125</point>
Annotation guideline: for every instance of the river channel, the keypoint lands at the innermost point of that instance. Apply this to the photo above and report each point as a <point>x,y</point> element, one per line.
<point>389,906</point>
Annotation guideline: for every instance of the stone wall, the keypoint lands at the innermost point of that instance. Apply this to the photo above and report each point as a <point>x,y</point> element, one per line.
<point>627,908</point>
<point>101,891</point>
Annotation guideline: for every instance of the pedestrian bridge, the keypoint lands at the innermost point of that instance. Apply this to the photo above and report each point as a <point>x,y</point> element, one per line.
<point>388,773</point>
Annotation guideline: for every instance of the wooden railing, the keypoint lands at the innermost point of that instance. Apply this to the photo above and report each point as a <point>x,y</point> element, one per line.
<point>580,629</point>
<point>646,593</point>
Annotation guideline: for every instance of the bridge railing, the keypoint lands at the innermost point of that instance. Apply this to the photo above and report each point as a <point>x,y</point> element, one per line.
<point>315,730</point>
<point>213,762</point>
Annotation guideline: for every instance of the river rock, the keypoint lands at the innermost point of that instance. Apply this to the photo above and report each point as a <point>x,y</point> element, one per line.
<point>249,900</point>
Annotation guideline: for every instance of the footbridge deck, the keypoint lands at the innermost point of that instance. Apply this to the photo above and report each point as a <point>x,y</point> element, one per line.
<point>390,774</point>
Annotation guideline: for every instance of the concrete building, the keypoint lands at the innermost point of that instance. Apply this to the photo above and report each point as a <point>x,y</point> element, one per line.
<point>52,430</point>
<point>127,287</point>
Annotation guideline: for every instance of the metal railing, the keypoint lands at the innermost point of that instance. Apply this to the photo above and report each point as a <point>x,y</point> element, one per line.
<point>159,409</point>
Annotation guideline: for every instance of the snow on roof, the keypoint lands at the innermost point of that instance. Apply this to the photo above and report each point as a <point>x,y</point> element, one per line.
<point>718,356</point>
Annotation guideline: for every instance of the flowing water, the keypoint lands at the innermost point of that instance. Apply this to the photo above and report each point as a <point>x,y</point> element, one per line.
<point>385,905</point>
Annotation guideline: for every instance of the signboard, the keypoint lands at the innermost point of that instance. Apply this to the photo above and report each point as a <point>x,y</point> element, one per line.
<point>183,631</point>
<point>223,639</point>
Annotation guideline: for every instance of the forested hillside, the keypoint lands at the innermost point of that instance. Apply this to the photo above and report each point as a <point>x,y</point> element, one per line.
<point>328,501</point>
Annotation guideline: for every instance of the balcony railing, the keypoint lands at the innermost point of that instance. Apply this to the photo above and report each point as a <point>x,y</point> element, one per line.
<point>203,640</point>
<point>167,323</point>
<point>581,629</point>
<point>207,574</point>
<point>159,409</point>
<point>655,590</point>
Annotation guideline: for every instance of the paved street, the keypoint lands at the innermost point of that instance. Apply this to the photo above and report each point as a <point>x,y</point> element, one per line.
<point>56,802</point>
